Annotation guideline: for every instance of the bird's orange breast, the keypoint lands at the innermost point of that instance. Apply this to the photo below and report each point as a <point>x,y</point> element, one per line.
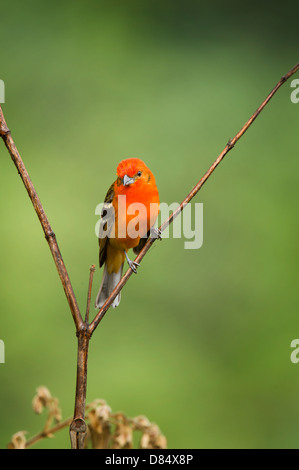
<point>136,209</point>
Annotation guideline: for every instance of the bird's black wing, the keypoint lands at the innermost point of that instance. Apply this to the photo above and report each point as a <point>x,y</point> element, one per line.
<point>141,243</point>
<point>106,224</point>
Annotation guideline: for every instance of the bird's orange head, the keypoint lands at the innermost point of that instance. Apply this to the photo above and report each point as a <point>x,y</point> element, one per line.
<point>133,170</point>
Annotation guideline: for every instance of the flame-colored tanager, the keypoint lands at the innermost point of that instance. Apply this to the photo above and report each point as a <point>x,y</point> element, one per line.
<point>137,183</point>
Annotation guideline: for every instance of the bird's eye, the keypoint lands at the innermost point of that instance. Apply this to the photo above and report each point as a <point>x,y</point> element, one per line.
<point>139,173</point>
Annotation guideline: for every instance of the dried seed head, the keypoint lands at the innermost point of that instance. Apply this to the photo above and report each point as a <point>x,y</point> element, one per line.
<point>18,441</point>
<point>141,422</point>
<point>123,436</point>
<point>55,410</point>
<point>144,441</point>
<point>161,442</point>
<point>41,400</point>
<point>99,424</point>
<point>153,439</point>
<point>103,412</point>
<point>99,415</point>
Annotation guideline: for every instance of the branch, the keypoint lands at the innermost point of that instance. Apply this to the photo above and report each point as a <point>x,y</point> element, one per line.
<point>78,427</point>
<point>231,143</point>
<point>50,432</point>
<point>49,234</point>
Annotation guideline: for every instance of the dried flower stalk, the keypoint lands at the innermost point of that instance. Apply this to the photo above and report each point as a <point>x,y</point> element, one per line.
<point>105,430</point>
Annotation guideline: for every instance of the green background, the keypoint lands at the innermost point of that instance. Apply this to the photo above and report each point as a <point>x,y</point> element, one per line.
<point>200,343</point>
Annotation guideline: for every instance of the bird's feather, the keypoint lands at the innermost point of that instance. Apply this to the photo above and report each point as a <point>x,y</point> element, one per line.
<point>109,282</point>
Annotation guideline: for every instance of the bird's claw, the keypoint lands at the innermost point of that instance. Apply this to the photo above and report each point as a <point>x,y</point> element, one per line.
<point>133,265</point>
<point>156,233</point>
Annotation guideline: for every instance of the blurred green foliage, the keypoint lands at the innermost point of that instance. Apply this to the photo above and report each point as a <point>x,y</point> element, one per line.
<point>200,343</point>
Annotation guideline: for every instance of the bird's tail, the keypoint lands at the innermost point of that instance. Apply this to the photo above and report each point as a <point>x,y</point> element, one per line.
<point>109,282</point>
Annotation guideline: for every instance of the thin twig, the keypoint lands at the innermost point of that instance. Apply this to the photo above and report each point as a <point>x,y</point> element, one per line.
<point>91,273</point>
<point>50,432</point>
<point>231,143</point>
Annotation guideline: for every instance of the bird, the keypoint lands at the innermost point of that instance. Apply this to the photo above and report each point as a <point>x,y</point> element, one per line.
<point>133,191</point>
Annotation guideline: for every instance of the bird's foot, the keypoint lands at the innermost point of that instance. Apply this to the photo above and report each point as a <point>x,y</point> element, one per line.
<point>156,233</point>
<point>133,265</point>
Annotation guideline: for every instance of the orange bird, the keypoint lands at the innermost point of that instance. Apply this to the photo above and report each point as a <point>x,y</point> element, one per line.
<point>133,192</point>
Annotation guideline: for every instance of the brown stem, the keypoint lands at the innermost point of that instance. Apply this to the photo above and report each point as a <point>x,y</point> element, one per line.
<point>49,234</point>
<point>78,426</point>
<point>48,433</point>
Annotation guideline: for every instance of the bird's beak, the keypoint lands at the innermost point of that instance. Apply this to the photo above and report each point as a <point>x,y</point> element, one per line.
<point>128,180</point>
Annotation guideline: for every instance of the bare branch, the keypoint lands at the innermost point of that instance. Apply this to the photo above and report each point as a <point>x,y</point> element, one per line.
<point>78,426</point>
<point>50,432</point>
<point>49,234</point>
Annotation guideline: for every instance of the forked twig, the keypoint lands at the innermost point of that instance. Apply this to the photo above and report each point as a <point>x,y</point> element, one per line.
<point>84,330</point>
<point>49,234</point>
